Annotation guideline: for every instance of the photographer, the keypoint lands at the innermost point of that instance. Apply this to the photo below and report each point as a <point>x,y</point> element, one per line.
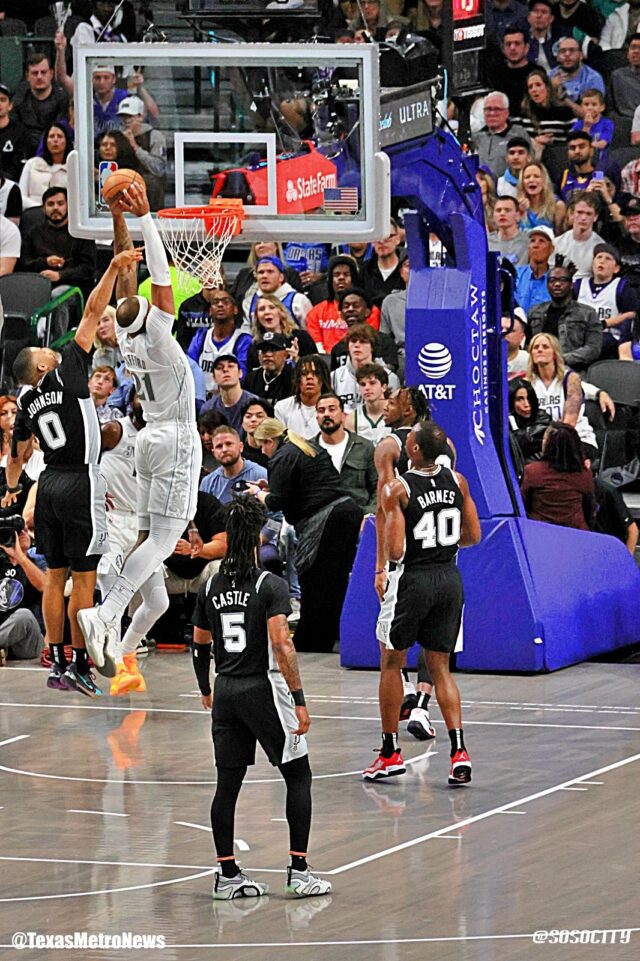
<point>21,585</point>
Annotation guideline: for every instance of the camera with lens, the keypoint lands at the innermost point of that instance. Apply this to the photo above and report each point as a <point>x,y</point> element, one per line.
<point>10,527</point>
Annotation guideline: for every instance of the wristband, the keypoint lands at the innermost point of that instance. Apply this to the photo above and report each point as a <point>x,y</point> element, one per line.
<point>383,571</point>
<point>201,665</point>
<point>298,698</point>
<point>14,490</point>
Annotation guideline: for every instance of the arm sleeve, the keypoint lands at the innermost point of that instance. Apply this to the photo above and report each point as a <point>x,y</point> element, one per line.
<point>155,254</point>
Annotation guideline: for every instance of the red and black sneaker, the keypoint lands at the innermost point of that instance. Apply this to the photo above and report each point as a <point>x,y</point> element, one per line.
<point>385,767</point>
<point>410,701</point>
<point>460,773</point>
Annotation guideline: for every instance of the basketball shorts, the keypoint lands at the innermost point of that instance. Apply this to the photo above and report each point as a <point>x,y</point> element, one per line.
<point>168,462</point>
<point>423,605</point>
<point>258,708</point>
<point>70,518</point>
<point>123,531</point>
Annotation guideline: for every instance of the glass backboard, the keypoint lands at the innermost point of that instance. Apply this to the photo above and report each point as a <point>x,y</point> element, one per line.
<point>291,129</point>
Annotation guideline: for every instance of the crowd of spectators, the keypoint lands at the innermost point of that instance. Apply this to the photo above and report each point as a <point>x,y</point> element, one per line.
<point>317,346</point>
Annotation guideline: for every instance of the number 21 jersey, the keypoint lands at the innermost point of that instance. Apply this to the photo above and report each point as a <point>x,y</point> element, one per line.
<point>433,517</point>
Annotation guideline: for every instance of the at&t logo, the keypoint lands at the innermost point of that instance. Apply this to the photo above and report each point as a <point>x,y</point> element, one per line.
<point>435,362</point>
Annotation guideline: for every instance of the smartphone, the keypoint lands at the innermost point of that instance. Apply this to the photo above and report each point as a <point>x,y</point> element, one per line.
<point>598,175</point>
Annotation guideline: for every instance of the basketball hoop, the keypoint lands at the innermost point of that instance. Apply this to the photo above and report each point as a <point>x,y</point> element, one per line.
<point>197,237</point>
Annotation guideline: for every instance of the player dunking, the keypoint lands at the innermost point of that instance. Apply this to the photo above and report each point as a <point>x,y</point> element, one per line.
<point>429,514</point>
<point>168,450</point>
<point>257,697</point>
<point>70,522</point>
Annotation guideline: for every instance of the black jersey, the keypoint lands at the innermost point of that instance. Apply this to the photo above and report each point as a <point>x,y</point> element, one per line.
<point>61,414</point>
<point>433,517</point>
<point>236,614</point>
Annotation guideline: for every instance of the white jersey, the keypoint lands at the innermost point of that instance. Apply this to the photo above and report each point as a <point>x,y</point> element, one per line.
<point>604,299</point>
<point>552,398</point>
<point>160,370</point>
<point>119,469</point>
<point>210,351</point>
<point>373,430</point>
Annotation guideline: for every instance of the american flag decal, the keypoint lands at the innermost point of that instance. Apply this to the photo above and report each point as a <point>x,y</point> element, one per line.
<point>343,200</point>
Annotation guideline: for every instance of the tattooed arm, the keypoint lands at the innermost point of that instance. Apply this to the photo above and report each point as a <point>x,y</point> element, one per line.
<point>285,655</point>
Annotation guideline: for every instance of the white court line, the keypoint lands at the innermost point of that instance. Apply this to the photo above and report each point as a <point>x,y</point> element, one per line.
<point>591,782</point>
<point>481,817</point>
<point>104,814</point>
<point>511,812</point>
<point>575,788</point>
<point>199,827</point>
<point>12,740</point>
<point>86,894</point>
<point>468,723</point>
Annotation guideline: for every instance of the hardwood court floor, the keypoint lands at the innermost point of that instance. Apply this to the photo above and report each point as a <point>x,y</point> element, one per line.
<point>105,808</point>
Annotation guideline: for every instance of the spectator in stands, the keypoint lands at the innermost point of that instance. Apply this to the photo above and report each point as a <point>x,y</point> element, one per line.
<point>613,516</point>
<point>577,243</point>
<point>272,317</point>
<point>274,378</point>
<point>148,145</point>
<point>352,455</point>
<point>38,102</point>
<point>527,420</point>
<point>270,279</point>
<point>615,301</point>
<point>381,274</point>
<point>228,450</point>
<point>102,25</point>
<point>305,486</point>
<point>10,246</point>
<point>503,16</point>
<point>559,390</point>
<point>49,249</point>
<point>298,413</point>
<point>579,174</point>
<point>392,319</point>
<point>10,200</point>
<point>207,423</point>
<point>426,20</point>
<point>542,34</point>
<point>577,327</point>
<point>102,383</point>
<point>230,398</point>
<point>221,337</point>
<point>112,145</point>
<point>531,283</point>
<point>246,278</point>
<point>537,201</point>
<point>513,80</point>
<point>21,585</point>
<point>355,308</point>
<point>574,15</point>
<point>546,117</point>
<point>592,122</point>
<point>518,154</point>
<point>558,489</point>
<point>309,260</point>
<point>107,97</point>
<point>367,417</point>
<point>50,169</point>
<point>192,563</point>
<point>488,190</point>
<point>324,323</point>
<point>360,343</point>
<point>14,140</point>
<point>620,26</point>
<point>508,239</point>
<point>372,18</point>
<point>35,462</point>
<point>572,78</point>
<point>492,140</point>
<point>514,334</point>
<point>629,245</point>
<point>625,81</point>
<point>252,416</point>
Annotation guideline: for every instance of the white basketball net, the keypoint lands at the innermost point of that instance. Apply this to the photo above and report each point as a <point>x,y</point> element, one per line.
<point>197,247</point>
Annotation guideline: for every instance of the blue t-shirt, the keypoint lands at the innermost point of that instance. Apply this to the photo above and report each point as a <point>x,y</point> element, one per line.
<point>233,413</point>
<point>222,487</point>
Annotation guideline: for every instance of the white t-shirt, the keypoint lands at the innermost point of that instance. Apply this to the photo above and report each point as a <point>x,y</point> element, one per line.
<point>10,239</point>
<point>335,451</point>
<point>297,417</point>
<point>578,251</point>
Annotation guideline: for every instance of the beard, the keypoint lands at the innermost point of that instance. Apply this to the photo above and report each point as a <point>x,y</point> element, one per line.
<point>329,427</point>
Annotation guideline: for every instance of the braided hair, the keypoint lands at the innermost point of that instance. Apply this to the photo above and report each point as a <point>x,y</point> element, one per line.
<point>245,518</point>
<point>419,403</point>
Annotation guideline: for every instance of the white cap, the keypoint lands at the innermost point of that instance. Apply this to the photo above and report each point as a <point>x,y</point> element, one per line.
<point>543,229</point>
<point>131,106</point>
<point>104,68</point>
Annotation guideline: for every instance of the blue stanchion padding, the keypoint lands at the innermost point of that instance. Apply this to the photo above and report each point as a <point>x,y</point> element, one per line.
<point>358,644</point>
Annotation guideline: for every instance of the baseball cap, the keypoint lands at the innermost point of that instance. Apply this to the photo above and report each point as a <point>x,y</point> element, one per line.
<point>5,90</point>
<point>631,208</point>
<point>272,341</point>
<point>271,259</point>
<point>222,357</point>
<point>104,68</point>
<point>518,142</point>
<point>543,229</point>
<point>607,249</point>
<point>131,106</point>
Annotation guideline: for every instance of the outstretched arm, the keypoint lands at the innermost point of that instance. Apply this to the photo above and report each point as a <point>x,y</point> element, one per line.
<point>100,297</point>
<point>134,200</point>
<point>127,282</point>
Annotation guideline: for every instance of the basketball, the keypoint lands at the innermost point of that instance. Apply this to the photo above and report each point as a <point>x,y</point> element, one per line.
<point>118,181</point>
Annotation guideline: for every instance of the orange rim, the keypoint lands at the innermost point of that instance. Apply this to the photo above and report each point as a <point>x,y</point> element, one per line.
<point>217,214</point>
